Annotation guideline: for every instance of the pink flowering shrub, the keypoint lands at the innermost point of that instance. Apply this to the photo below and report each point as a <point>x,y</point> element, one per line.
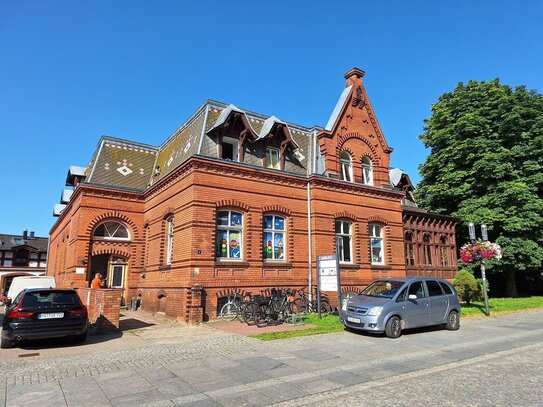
<point>480,250</point>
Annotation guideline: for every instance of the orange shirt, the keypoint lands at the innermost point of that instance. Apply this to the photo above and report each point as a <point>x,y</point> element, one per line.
<point>96,283</point>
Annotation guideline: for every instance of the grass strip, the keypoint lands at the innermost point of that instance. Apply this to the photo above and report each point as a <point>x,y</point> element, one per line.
<point>331,323</point>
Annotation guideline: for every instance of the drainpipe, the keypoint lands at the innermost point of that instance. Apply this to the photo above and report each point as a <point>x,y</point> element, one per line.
<point>309,243</point>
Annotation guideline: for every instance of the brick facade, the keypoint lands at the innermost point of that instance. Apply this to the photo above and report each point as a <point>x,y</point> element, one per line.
<point>191,286</point>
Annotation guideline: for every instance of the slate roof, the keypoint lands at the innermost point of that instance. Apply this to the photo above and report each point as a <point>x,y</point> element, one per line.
<point>123,163</point>
<point>8,242</point>
<point>135,166</point>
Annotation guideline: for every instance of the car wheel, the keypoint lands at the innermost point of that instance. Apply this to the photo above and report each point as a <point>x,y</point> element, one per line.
<point>6,343</point>
<point>393,328</point>
<point>453,321</point>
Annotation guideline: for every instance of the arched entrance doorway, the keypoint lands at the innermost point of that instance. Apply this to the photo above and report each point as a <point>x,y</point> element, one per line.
<point>113,268</point>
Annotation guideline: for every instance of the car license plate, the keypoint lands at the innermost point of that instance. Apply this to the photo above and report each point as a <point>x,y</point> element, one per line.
<point>51,315</point>
<point>355,320</point>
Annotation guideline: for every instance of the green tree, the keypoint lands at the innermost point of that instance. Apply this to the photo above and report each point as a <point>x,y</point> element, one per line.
<point>486,166</point>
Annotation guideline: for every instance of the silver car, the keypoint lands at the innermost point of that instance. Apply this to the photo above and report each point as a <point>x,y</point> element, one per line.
<point>394,304</point>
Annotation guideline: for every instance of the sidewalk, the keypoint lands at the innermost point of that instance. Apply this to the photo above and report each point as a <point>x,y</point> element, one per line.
<point>137,329</point>
<point>233,370</point>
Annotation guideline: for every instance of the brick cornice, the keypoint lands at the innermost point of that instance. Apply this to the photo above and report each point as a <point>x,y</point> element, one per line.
<point>352,187</point>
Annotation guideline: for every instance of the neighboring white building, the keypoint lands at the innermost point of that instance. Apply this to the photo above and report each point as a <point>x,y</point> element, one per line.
<point>21,255</point>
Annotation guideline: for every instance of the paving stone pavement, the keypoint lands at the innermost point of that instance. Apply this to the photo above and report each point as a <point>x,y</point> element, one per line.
<point>232,370</point>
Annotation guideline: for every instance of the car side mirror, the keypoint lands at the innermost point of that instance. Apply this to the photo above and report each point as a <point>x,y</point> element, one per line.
<point>412,297</point>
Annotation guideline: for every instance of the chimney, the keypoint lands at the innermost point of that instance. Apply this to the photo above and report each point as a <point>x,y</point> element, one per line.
<point>32,234</point>
<point>354,76</point>
<point>25,234</point>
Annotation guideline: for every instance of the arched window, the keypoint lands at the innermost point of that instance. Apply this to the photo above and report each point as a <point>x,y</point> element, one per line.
<point>229,235</point>
<point>427,247</point>
<point>444,250</point>
<point>169,240</point>
<point>346,166</point>
<point>409,249</point>
<point>111,230</point>
<point>376,243</point>
<point>367,171</point>
<point>274,237</point>
<point>344,241</point>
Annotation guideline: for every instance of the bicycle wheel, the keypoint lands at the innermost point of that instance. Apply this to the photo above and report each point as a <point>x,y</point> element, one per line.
<point>326,308</point>
<point>248,314</point>
<point>300,306</point>
<point>229,311</point>
<point>261,316</point>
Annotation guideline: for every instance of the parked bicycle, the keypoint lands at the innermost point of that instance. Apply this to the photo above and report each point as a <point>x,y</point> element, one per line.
<point>305,305</point>
<point>275,308</point>
<point>231,309</point>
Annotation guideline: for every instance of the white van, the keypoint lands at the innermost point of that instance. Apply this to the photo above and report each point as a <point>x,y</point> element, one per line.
<point>20,283</point>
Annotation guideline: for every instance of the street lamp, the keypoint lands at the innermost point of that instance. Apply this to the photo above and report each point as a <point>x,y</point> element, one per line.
<point>484,235</point>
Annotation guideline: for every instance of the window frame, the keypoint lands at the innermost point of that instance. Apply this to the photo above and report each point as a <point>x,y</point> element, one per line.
<point>380,239</point>
<point>409,247</point>
<point>268,163</point>
<point>367,171</point>
<point>427,249</point>
<point>111,238</point>
<point>170,226</point>
<point>235,148</point>
<point>229,229</point>
<point>346,162</point>
<point>443,251</point>
<point>273,232</point>
<point>340,238</point>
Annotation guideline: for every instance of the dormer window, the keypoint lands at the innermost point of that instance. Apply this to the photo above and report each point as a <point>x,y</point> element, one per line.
<point>346,166</point>
<point>230,149</point>
<point>273,158</point>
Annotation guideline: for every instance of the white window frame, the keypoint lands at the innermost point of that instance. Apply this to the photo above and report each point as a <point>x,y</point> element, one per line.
<point>270,151</point>
<point>235,144</point>
<point>367,170</point>
<point>346,166</point>
<point>340,240</point>
<point>169,243</point>
<point>112,232</point>
<point>273,231</point>
<point>374,237</point>
<point>229,229</point>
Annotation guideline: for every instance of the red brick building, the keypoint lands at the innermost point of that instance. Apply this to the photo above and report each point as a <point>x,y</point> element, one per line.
<point>237,200</point>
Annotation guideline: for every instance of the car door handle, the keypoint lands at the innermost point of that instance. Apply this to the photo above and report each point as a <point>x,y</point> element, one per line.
<point>445,301</point>
<point>427,304</point>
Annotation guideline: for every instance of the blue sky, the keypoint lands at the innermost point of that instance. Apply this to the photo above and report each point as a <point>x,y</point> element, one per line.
<point>71,71</point>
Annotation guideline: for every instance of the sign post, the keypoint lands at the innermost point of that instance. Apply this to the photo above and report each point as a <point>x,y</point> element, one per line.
<point>328,278</point>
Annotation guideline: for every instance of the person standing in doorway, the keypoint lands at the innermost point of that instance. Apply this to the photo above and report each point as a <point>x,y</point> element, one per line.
<point>96,281</point>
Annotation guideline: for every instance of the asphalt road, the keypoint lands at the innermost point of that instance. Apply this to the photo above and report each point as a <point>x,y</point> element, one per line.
<point>488,362</point>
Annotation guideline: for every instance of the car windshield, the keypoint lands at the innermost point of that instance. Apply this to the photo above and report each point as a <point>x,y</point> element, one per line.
<point>383,289</point>
<point>50,298</point>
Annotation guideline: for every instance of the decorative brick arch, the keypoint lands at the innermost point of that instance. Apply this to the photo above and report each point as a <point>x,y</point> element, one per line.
<point>350,289</point>
<point>118,216</point>
<point>232,203</point>
<point>343,139</point>
<point>168,212</point>
<point>348,150</point>
<point>276,209</point>
<point>346,215</point>
<point>377,219</point>
<point>117,251</point>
